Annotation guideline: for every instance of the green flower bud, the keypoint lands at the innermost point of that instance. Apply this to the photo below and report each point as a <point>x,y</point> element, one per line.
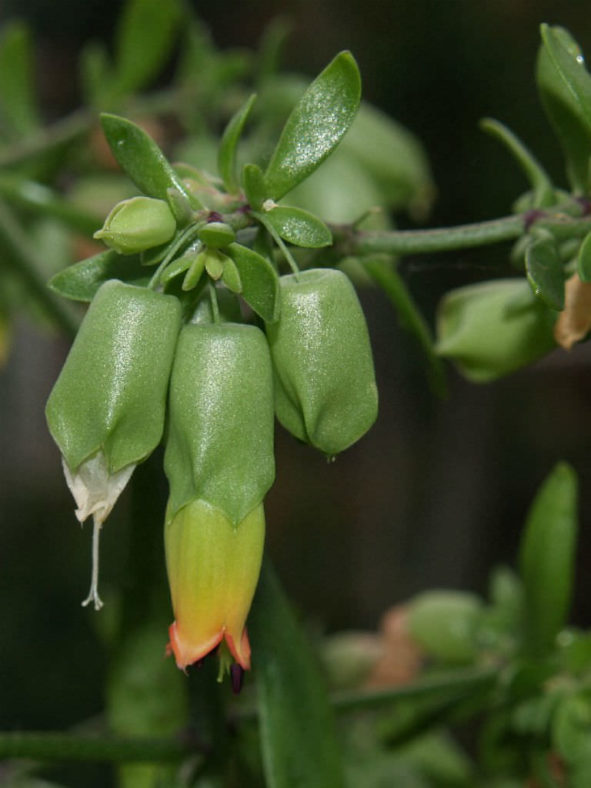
<point>220,442</point>
<point>444,623</point>
<point>106,410</point>
<point>325,389</point>
<point>216,234</point>
<point>492,328</point>
<point>137,224</point>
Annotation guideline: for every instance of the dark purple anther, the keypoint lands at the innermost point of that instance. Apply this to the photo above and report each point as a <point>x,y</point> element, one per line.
<point>529,217</point>
<point>214,216</point>
<point>237,677</point>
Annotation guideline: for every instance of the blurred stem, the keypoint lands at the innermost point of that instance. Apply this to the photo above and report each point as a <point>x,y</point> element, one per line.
<point>59,133</point>
<point>27,265</point>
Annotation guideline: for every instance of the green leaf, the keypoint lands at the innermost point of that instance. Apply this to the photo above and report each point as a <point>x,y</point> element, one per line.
<point>260,283</point>
<point>565,91</point>
<point>96,74</point>
<point>547,557</point>
<point>584,259</point>
<point>444,624</point>
<point>534,172</point>
<point>253,183</point>
<point>18,108</point>
<point>143,161</point>
<point>296,226</point>
<point>298,736</point>
<point>81,280</point>
<point>571,728</point>
<point>316,125</point>
<point>229,144</point>
<point>144,40</point>
<point>545,273</point>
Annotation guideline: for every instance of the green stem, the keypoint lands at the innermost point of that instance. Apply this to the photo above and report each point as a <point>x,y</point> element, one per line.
<point>80,747</point>
<point>60,133</point>
<point>26,263</point>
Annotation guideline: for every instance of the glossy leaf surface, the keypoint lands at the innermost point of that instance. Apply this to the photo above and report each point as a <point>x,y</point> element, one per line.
<point>80,281</point>
<point>260,283</point>
<point>298,227</point>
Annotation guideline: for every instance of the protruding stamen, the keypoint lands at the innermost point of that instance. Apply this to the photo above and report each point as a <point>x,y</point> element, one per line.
<point>237,677</point>
<point>93,595</point>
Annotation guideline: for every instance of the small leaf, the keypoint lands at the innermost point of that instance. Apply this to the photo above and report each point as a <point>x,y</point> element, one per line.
<point>547,557</point>
<point>143,161</point>
<point>545,273</point>
<point>196,268</point>
<point>298,736</point>
<point>565,89</point>
<point>81,280</point>
<point>18,109</point>
<point>297,227</point>
<point>260,283</point>
<point>145,36</point>
<point>584,260</point>
<point>253,182</point>
<point>229,144</point>
<point>316,125</point>
<point>535,173</point>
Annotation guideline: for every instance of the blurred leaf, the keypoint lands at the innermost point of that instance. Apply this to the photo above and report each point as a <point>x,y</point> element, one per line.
<point>260,283</point>
<point>584,259</point>
<point>144,162</point>
<point>384,273</point>
<point>444,624</point>
<point>575,651</point>
<point>297,226</point>
<point>298,735</point>
<point>96,74</point>
<point>18,106</point>
<point>565,91</point>
<point>535,173</point>
<point>547,556</point>
<point>81,280</point>
<point>5,337</point>
<point>545,273</point>
<point>253,182</point>
<point>316,125</point>
<point>571,727</point>
<point>144,40</point>
<point>229,143</point>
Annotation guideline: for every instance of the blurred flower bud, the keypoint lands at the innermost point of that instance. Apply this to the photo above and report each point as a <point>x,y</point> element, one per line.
<point>325,389</point>
<point>137,224</point>
<point>444,624</point>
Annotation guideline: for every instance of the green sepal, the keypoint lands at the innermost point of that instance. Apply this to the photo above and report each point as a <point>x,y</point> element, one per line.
<point>216,234</point>
<point>325,388</point>
<point>18,106</point>
<point>141,158</point>
<point>111,392</point>
<point>565,91</point>
<point>547,556</point>
<point>81,281</point>
<point>214,264</point>
<point>584,259</point>
<point>220,442</point>
<point>253,183</point>
<point>260,283</point>
<point>492,328</point>
<point>231,276</point>
<point>229,144</point>
<point>315,126</point>
<point>297,226</point>
<point>545,273</point>
<point>196,267</point>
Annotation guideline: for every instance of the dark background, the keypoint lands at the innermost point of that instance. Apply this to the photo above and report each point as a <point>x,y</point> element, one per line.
<point>437,492</point>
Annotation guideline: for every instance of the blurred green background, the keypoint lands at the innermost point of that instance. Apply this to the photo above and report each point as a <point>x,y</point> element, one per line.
<point>436,493</point>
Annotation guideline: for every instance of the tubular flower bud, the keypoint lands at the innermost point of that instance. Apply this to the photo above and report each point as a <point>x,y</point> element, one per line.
<point>213,568</point>
<point>325,389</point>
<point>137,224</point>
<point>219,462</point>
<point>106,410</point>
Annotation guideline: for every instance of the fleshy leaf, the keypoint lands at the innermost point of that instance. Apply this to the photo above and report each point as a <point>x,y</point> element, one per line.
<point>316,125</point>
<point>17,101</point>
<point>260,283</point>
<point>545,273</point>
<point>298,736</point>
<point>297,226</point>
<point>144,40</point>
<point>229,144</point>
<point>547,557</point>
<point>81,280</point>
<point>253,182</point>
<point>565,90</point>
<point>141,158</point>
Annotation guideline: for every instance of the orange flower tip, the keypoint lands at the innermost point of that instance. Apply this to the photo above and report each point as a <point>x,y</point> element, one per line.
<point>186,654</point>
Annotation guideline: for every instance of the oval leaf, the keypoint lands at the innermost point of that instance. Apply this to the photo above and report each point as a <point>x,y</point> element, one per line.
<point>545,273</point>
<point>298,735</point>
<point>144,162</point>
<point>297,227</point>
<point>547,557</point>
<point>81,280</point>
<point>229,144</point>
<point>253,183</point>
<point>316,125</point>
<point>260,283</point>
